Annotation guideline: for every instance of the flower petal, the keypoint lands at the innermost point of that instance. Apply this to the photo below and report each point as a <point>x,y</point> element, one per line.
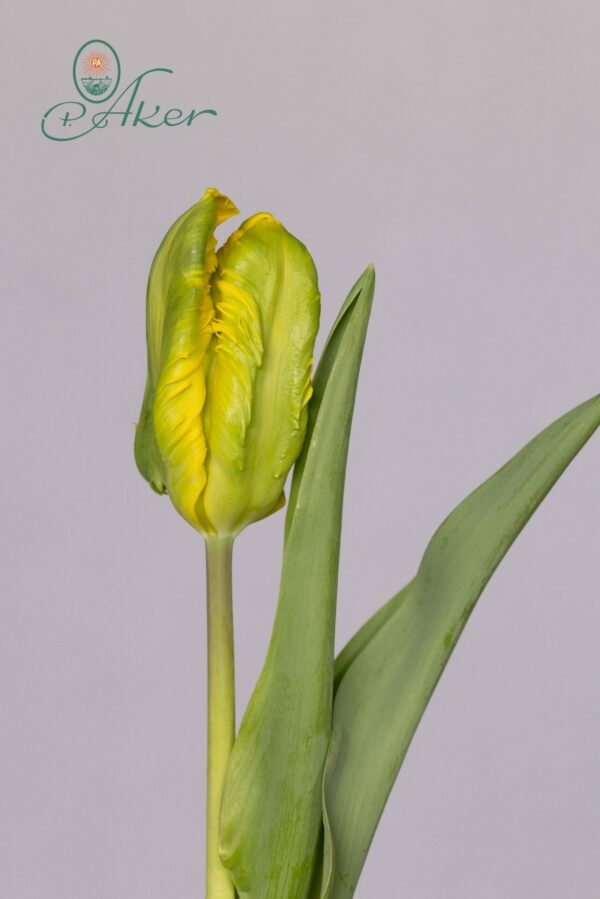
<point>266,302</point>
<point>171,445</point>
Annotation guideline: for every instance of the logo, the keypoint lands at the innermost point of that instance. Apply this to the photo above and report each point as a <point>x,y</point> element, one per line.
<point>97,77</point>
<point>97,70</point>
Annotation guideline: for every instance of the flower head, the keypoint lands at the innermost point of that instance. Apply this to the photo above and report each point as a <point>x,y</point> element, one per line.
<point>230,349</point>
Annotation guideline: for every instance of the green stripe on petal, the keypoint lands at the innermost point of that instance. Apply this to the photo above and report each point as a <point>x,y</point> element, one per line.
<point>266,302</point>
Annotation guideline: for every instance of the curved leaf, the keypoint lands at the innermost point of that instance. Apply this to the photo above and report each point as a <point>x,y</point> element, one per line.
<point>387,673</point>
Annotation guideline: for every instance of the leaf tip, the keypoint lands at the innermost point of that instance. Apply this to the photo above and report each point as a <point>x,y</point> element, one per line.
<point>368,276</point>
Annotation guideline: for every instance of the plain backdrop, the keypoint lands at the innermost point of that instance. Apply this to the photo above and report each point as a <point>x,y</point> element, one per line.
<point>454,145</point>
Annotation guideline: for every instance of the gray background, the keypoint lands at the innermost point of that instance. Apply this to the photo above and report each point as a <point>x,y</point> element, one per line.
<point>456,146</point>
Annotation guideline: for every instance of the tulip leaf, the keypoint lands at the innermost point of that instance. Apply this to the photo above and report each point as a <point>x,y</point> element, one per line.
<point>272,803</point>
<point>388,671</point>
<point>366,633</point>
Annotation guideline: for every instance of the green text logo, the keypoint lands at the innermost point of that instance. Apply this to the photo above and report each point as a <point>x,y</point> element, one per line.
<point>97,75</point>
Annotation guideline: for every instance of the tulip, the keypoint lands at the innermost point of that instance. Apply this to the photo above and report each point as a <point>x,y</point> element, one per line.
<point>230,339</point>
<point>293,801</point>
<point>230,349</point>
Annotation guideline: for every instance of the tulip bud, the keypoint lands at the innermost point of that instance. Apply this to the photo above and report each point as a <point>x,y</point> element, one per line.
<point>230,349</point>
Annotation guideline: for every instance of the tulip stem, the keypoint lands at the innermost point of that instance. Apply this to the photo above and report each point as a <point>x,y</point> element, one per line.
<point>221,704</point>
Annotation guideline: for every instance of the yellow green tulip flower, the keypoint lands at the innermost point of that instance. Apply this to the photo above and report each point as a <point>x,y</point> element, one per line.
<point>230,349</point>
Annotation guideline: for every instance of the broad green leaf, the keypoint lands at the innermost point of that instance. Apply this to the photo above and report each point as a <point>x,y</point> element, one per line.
<point>387,673</point>
<point>272,804</point>
<point>362,637</point>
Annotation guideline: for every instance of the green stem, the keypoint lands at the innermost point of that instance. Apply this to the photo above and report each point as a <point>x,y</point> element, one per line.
<point>221,704</point>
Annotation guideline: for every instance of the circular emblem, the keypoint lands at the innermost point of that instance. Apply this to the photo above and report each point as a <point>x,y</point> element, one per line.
<point>96,71</point>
